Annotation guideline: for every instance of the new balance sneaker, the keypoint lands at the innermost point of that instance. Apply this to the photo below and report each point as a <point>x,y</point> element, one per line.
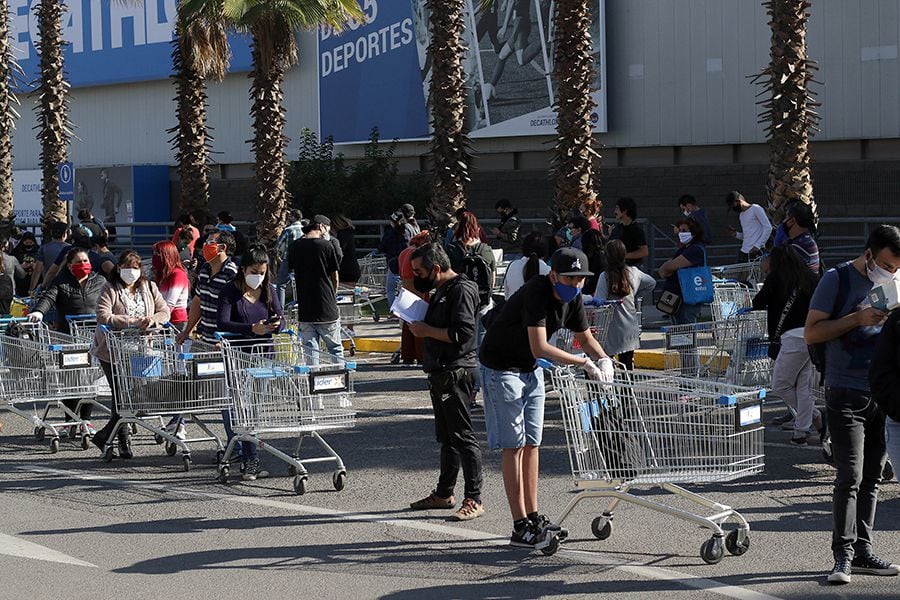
<point>545,524</point>
<point>840,573</point>
<point>252,471</point>
<point>468,511</point>
<point>870,564</point>
<point>529,536</point>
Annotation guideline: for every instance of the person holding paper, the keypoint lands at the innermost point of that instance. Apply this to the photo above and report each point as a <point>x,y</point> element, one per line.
<point>449,333</point>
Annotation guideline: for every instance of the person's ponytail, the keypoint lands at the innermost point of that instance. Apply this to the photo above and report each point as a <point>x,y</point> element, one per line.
<point>532,267</point>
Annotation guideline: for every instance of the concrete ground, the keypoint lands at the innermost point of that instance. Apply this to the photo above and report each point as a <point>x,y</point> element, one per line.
<point>75,527</point>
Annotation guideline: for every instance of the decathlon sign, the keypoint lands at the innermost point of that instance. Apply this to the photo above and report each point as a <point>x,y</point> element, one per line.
<point>109,41</point>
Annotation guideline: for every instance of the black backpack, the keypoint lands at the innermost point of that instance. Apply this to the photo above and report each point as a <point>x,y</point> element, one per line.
<point>817,351</point>
<point>477,269</point>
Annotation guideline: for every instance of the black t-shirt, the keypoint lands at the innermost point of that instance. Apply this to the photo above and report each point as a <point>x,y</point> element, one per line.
<point>454,307</point>
<point>314,262</point>
<point>633,237</point>
<point>505,346</point>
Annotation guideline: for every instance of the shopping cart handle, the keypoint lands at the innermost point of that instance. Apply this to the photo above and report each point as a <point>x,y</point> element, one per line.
<point>743,311</point>
<point>221,335</point>
<point>84,317</point>
<point>13,319</point>
<point>544,363</point>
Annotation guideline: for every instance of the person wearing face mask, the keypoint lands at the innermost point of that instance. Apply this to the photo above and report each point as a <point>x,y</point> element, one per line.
<point>249,308</point>
<point>631,233</point>
<point>514,385</point>
<point>315,264</point>
<point>691,253</point>
<point>692,210</point>
<point>796,231</point>
<point>448,331</point>
<point>75,291</point>
<point>841,317</point>
<point>127,301</point>
<point>216,272</point>
<point>755,226</point>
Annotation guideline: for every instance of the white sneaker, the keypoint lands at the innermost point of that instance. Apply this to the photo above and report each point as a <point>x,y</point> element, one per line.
<point>181,433</point>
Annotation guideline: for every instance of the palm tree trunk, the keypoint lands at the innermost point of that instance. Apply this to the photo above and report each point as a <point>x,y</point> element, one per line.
<point>789,108</point>
<point>574,76</point>
<point>54,128</point>
<point>8,118</point>
<point>449,142</point>
<point>190,137</point>
<point>269,142</point>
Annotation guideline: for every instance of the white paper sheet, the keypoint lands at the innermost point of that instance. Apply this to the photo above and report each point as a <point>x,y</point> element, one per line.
<point>409,307</point>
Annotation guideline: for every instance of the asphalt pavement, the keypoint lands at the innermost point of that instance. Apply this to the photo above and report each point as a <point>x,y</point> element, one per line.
<point>75,527</point>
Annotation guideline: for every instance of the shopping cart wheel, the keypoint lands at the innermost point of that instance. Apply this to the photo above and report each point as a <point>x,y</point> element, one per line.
<point>733,546</point>
<point>54,445</point>
<point>601,527</point>
<point>159,439</point>
<point>552,548</point>
<point>171,448</point>
<point>85,442</point>
<point>300,485</point>
<point>353,350</point>
<point>186,461</point>
<point>712,551</point>
<point>339,480</point>
<point>39,433</point>
<point>376,317</point>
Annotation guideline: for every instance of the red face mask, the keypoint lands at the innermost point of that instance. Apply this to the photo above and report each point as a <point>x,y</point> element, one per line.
<point>81,270</point>
<point>210,251</point>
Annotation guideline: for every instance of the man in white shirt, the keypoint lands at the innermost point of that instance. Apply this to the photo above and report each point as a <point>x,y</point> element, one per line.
<point>755,226</point>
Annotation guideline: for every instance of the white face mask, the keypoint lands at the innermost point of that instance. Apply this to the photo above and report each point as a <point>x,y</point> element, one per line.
<point>685,237</point>
<point>686,213</point>
<point>879,276</point>
<point>253,280</point>
<point>129,276</point>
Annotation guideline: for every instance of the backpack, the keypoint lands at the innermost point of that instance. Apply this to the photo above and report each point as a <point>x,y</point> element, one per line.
<point>7,290</point>
<point>817,351</point>
<point>476,268</point>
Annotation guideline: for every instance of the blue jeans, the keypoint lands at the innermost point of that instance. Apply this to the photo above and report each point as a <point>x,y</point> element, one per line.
<point>245,451</point>
<point>513,407</point>
<point>330,333</point>
<point>282,281</point>
<point>392,282</point>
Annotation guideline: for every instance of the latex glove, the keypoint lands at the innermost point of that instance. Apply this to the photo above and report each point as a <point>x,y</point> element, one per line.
<point>592,371</point>
<point>605,366</point>
<point>35,317</point>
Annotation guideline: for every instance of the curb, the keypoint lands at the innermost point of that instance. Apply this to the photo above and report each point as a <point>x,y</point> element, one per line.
<point>382,345</point>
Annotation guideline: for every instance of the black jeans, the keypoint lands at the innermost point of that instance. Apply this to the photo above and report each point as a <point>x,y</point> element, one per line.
<point>450,392</point>
<point>743,257</point>
<point>857,438</point>
<point>114,417</point>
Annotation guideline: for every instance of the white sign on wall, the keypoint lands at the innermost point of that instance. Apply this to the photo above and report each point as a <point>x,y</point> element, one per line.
<point>27,188</point>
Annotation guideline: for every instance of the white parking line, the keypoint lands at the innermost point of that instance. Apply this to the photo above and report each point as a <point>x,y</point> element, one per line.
<point>491,539</point>
<point>13,546</point>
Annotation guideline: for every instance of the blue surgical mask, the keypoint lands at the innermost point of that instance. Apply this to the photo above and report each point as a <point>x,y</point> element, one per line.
<point>569,234</point>
<point>566,293</point>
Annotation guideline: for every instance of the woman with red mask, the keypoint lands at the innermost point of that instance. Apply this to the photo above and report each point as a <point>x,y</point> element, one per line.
<point>74,291</point>
<point>172,280</point>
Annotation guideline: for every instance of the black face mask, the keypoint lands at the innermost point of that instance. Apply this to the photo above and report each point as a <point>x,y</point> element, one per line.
<point>423,285</point>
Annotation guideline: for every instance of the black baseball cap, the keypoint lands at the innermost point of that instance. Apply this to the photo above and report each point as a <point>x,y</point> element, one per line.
<point>570,262</point>
<point>321,220</point>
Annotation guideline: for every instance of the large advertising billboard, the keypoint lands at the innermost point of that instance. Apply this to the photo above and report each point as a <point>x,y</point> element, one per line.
<point>377,74</point>
<point>109,41</point>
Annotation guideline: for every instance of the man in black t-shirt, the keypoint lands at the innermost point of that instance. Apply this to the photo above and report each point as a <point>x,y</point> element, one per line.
<point>630,233</point>
<point>449,333</point>
<point>315,265</point>
<point>514,385</point>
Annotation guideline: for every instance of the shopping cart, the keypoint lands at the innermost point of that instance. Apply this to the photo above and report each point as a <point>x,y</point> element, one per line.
<point>598,317</point>
<point>729,299</point>
<point>733,350</point>
<point>275,390</point>
<point>359,294</point>
<point>653,430</point>
<point>39,368</point>
<point>373,274</point>
<point>750,273</point>
<point>156,378</point>
<point>350,310</point>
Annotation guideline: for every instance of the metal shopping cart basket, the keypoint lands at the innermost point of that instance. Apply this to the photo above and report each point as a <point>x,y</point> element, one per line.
<point>39,368</point>
<point>654,430</point>
<point>734,350</point>
<point>729,299</point>
<point>157,378</point>
<point>750,272</point>
<point>280,387</point>
<point>598,318</point>
<point>373,274</point>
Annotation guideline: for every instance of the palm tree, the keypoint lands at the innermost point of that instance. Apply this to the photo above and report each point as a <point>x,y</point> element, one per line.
<point>54,127</point>
<point>200,52</point>
<point>790,107</point>
<point>447,89</point>
<point>8,117</point>
<point>574,76</point>
<point>272,25</point>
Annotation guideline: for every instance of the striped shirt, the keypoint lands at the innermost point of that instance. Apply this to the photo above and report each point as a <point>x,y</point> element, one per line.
<point>807,250</point>
<point>209,288</point>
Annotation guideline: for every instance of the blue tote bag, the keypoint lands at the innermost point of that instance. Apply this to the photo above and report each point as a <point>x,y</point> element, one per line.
<point>696,284</point>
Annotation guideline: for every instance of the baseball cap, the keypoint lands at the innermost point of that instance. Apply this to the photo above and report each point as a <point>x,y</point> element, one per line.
<point>570,262</point>
<point>321,220</point>
<point>408,210</point>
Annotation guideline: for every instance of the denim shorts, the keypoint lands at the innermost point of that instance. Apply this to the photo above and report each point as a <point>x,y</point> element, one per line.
<point>513,407</point>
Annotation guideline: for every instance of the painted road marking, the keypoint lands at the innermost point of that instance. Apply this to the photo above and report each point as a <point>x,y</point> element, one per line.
<point>484,537</point>
<point>13,546</point>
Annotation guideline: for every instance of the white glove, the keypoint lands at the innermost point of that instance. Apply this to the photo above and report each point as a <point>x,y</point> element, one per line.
<point>605,366</point>
<point>35,317</point>
<point>592,371</point>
